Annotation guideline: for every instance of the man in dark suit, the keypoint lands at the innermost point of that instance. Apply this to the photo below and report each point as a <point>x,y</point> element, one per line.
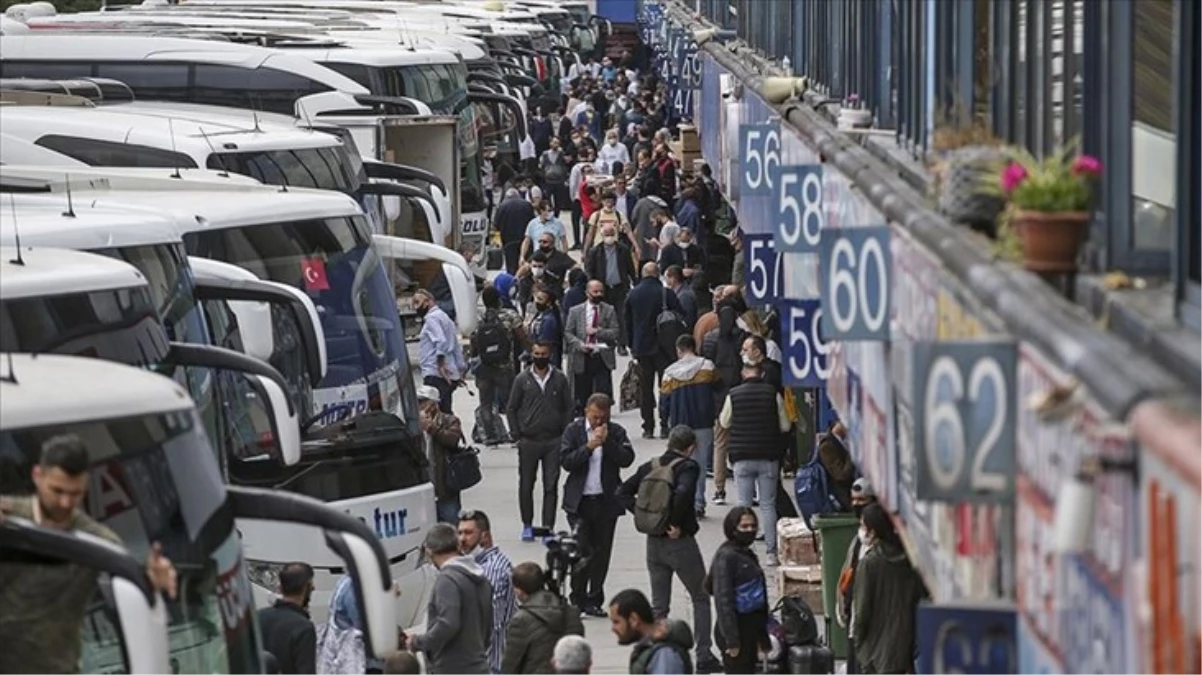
<point>646,302</point>
<point>288,633</point>
<point>593,452</point>
<point>590,337</point>
<point>511,219</point>
<point>612,264</point>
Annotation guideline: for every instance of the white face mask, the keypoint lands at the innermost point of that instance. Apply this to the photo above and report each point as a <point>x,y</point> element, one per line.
<point>865,537</point>
<point>536,271</point>
<point>613,142</point>
<point>682,244</point>
<point>609,240</point>
<point>749,360</point>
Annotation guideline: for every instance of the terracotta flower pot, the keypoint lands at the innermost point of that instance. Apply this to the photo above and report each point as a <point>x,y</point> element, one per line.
<point>1050,240</point>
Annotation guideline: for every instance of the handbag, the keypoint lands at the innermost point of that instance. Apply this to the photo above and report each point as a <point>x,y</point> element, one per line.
<point>463,468</point>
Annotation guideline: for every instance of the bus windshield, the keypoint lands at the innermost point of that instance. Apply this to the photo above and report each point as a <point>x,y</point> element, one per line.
<point>443,87</point>
<point>154,479</point>
<point>332,260</point>
<point>116,325</point>
<point>329,168</point>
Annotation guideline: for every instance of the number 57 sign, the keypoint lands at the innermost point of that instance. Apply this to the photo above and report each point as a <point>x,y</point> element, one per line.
<point>964,420</point>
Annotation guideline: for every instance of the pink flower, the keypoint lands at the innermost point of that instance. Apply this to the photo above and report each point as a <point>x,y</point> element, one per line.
<point>1087,165</point>
<point>1013,176</point>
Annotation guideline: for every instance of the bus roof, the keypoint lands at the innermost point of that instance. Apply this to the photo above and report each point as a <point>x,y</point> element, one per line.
<point>45,271</point>
<point>376,54</point>
<point>51,389</point>
<point>43,220</point>
<point>126,47</point>
<point>195,134</point>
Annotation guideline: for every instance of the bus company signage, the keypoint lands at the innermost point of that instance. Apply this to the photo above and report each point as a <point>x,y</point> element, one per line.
<point>1075,609</point>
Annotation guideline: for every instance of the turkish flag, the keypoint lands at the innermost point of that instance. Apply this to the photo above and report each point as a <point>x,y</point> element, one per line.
<point>314,272</point>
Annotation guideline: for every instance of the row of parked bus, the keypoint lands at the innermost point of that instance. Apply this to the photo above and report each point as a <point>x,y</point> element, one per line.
<point>212,215</point>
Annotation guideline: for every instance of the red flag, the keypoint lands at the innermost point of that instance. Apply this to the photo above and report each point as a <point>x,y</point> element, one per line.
<point>314,271</point>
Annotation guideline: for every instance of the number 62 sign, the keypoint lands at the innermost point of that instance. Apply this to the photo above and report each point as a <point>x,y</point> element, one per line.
<point>964,420</point>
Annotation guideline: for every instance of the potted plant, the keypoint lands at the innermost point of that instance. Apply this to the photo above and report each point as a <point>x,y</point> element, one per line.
<point>1048,205</point>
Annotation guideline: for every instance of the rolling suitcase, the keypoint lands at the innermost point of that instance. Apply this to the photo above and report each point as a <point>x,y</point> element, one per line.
<point>814,658</point>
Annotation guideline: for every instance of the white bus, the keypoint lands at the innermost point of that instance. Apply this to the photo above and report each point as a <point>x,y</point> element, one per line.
<point>154,478</point>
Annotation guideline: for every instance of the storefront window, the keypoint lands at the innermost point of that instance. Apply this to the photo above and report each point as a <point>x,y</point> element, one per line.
<point>1153,133</point>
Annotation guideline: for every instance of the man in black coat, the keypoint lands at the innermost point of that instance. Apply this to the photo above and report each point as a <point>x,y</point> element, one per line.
<point>644,306</point>
<point>288,633</point>
<point>511,219</point>
<point>593,452</point>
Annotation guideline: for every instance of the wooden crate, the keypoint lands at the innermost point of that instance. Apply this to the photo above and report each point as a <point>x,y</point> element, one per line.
<point>796,542</point>
<point>689,141</point>
<point>803,581</point>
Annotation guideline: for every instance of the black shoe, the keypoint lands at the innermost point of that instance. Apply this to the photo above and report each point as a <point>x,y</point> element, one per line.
<point>663,432</point>
<point>708,663</point>
<point>648,434</point>
<point>594,611</point>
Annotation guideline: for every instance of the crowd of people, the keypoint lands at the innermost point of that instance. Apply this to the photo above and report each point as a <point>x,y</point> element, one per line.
<point>636,277</point>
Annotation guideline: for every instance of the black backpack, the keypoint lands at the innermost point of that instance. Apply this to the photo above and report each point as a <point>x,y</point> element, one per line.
<point>491,341</point>
<point>668,326</point>
<point>797,620</point>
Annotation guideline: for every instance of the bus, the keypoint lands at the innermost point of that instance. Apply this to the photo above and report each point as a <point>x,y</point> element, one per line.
<point>155,478</point>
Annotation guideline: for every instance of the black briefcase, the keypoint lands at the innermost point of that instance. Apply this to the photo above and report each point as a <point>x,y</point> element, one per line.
<point>811,659</point>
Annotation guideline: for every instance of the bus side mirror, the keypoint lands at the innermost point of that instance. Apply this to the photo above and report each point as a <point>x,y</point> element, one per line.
<point>346,536</point>
<point>285,424</point>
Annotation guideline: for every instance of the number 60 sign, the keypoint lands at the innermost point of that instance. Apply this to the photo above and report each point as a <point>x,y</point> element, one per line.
<point>964,420</point>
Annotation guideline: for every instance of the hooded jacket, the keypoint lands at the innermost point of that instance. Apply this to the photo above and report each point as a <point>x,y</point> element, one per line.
<point>534,631</point>
<point>668,654</point>
<point>687,391</point>
<point>886,592</point>
<point>458,619</point>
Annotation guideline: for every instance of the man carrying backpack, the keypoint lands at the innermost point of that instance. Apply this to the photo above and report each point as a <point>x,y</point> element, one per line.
<point>661,495</point>
<point>492,343</point>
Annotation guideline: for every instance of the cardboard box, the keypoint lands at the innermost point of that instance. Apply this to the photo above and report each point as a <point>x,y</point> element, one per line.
<point>796,542</point>
<point>803,581</point>
<point>689,140</point>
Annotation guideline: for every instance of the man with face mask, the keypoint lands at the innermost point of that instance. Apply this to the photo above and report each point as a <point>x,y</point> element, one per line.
<point>612,152</point>
<point>439,351</point>
<point>42,606</point>
<point>545,222</point>
<point>441,433</point>
<point>475,541</point>
<point>840,469</point>
<point>612,264</point>
<point>288,633</point>
<point>590,338</point>
<point>540,406</point>
<point>554,166</point>
<point>862,495</point>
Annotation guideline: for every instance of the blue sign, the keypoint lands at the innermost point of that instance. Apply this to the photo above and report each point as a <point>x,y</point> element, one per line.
<point>759,148</point>
<point>763,273</point>
<point>802,346</point>
<point>682,101</point>
<point>964,420</point>
<point>965,638</point>
<point>797,198</point>
<point>854,281</point>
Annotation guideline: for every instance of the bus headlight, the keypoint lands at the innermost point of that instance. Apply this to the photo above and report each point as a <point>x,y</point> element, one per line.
<point>265,574</point>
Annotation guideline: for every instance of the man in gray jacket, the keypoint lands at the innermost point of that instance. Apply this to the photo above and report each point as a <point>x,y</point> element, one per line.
<point>459,616</point>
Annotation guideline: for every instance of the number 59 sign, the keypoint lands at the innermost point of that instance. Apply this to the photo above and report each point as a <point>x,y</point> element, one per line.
<point>964,420</point>
<point>804,350</point>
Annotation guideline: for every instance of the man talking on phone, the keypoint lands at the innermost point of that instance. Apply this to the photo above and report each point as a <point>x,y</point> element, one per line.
<point>593,452</point>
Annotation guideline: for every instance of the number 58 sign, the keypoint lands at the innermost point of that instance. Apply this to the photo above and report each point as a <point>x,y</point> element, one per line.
<point>964,420</point>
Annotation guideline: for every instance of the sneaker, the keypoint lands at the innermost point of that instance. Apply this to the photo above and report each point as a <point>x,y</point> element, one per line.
<point>700,512</point>
<point>648,434</point>
<point>594,611</point>
<point>527,533</point>
<point>720,498</point>
<point>771,560</point>
<point>708,663</point>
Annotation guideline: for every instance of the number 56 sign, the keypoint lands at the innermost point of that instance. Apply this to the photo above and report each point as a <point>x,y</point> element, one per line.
<point>964,420</point>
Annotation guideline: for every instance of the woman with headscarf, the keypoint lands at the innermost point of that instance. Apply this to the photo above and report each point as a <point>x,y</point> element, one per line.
<point>736,582</point>
<point>886,593</point>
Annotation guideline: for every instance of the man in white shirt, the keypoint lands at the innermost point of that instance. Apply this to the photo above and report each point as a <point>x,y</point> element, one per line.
<point>594,450</point>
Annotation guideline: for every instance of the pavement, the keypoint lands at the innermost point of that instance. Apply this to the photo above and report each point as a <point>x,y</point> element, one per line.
<point>496,495</point>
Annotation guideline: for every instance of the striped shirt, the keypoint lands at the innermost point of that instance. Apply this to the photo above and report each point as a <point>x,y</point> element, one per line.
<point>499,572</point>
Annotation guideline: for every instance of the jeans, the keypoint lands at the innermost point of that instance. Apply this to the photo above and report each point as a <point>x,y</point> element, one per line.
<point>532,454</point>
<point>682,557</point>
<point>445,389</point>
<point>705,447</point>
<point>448,508</point>
<point>764,474</point>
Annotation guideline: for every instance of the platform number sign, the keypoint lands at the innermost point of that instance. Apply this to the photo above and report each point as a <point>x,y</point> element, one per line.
<point>797,196</point>
<point>965,420</point>
<point>764,270</point>
<point>967,638</point>
<point>682,99</point>
<point>759,146</point>
<point>804,349</point>
<point>854,281</point>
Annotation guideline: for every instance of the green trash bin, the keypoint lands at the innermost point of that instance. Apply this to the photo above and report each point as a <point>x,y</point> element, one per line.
<point>835,533</point>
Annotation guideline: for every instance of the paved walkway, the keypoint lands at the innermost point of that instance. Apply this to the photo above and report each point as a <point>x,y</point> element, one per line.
<point>497,496</point>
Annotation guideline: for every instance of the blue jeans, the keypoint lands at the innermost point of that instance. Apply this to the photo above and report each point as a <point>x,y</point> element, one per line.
<point>703,455</point>
<point>448,508</point>
<point>765,474</point>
